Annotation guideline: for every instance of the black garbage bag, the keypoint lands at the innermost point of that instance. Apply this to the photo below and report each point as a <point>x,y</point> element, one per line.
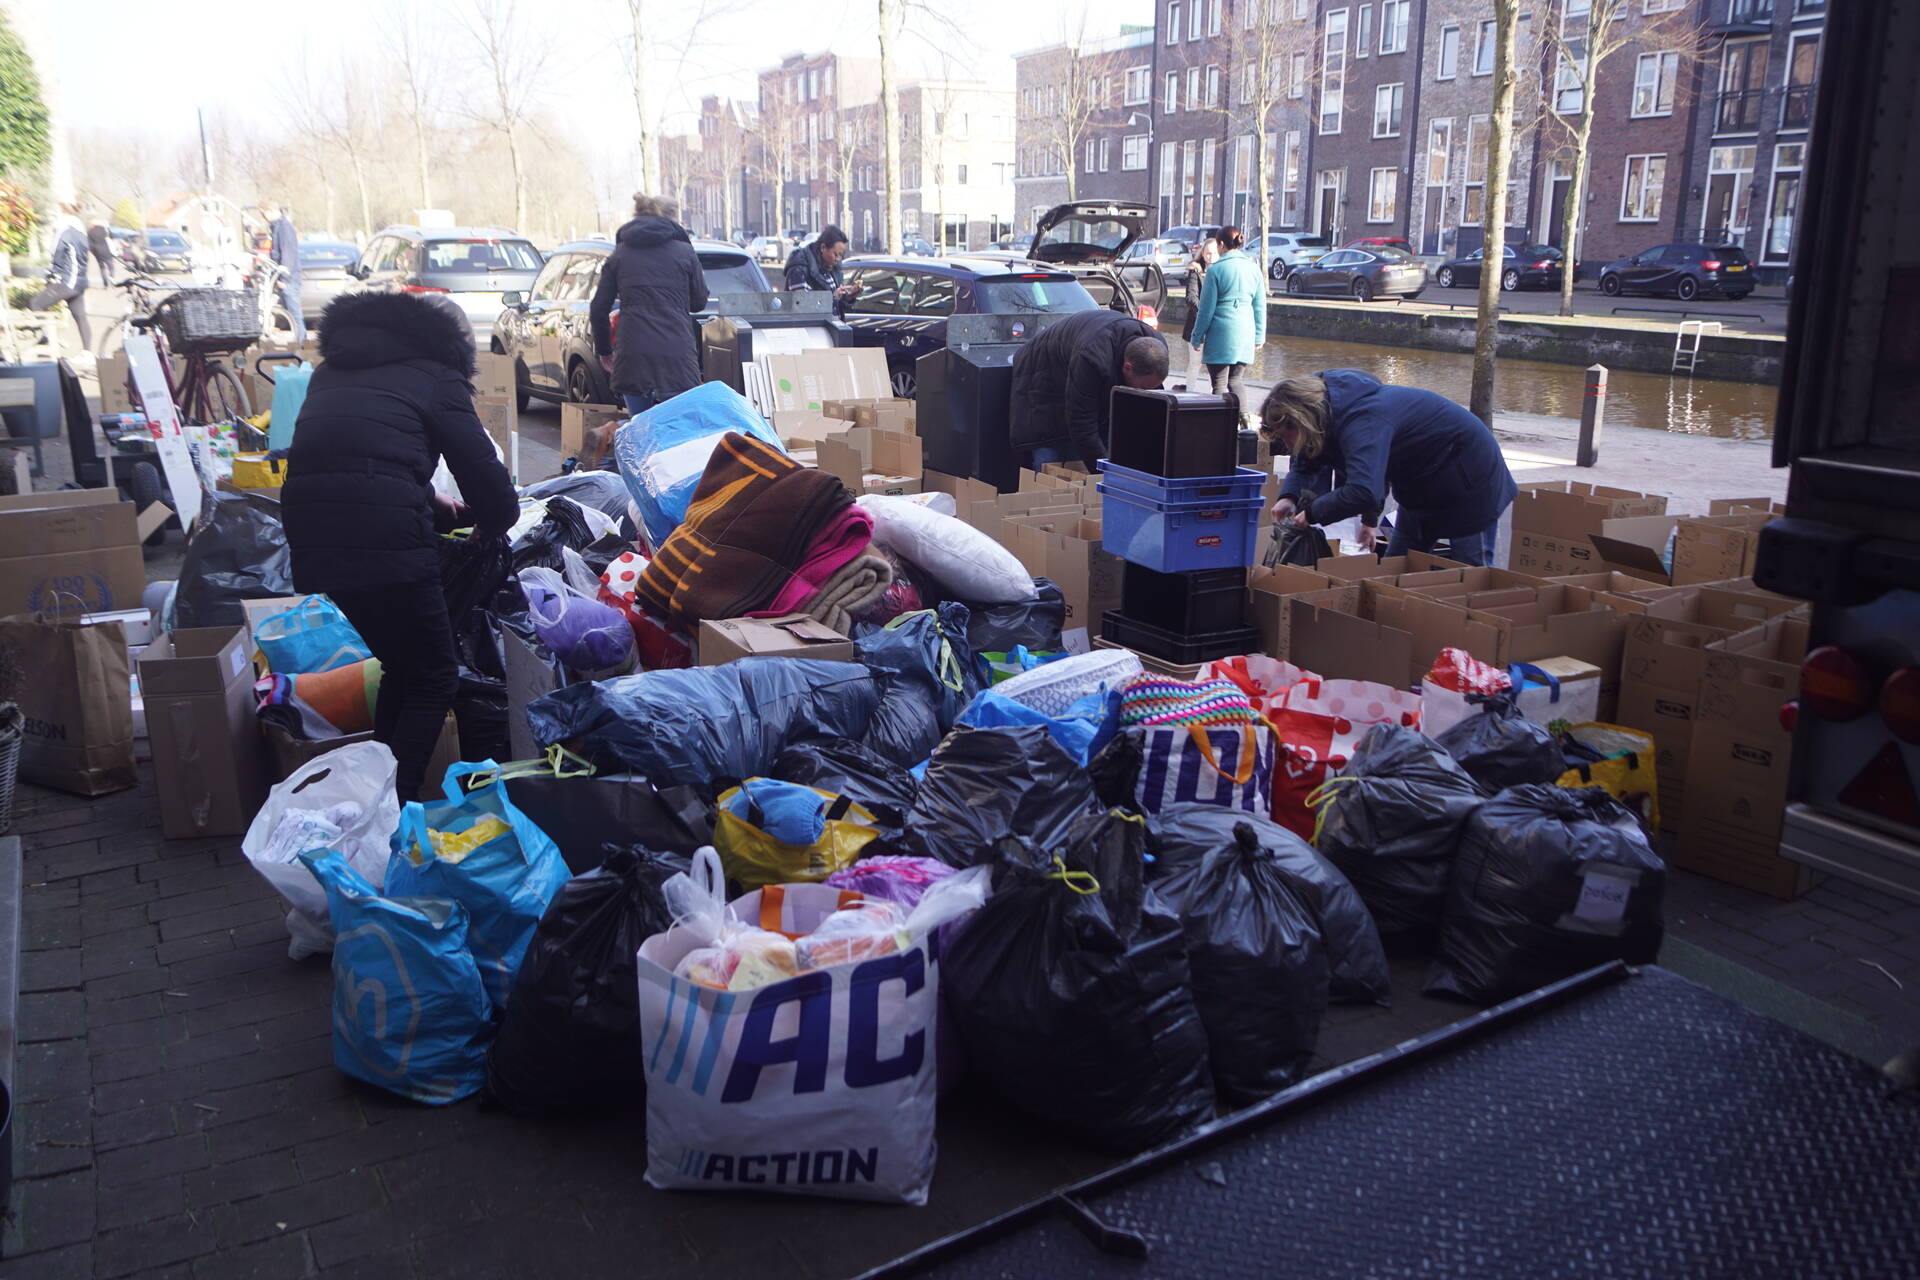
<point>604,491</point>
<point>236,551</point>
<point>581,814</point>
<point>562,526</point>
<point>1116,769</point>
<point>706,727</point>
<point>472,571</point>
<point>986,783</point>
<point>1183,835</point>
<point>480,711</point>
<point>1549,881</point>
<point>1074,1003</point>
<point>1501,748</point>
<point>1035,623</point>
<point>850,769</point>
<point>570,1037</point>
<point>1258,962</point>
<point>926,679</point>
<point>1391,821</point>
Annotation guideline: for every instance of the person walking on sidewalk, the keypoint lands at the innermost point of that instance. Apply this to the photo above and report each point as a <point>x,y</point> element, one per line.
<point>67,276</point>
<point>391,398</point>
<point>1198,261</point>
<point>1442,465</point>
<point>1063,383</point>
<point>816,266</point>
<point>100,244</point>
<point>655,275</point>
<point>286,252</point>
<point>1230,324</point>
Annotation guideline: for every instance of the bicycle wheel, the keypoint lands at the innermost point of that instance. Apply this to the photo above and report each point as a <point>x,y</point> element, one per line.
<point>223,396</point>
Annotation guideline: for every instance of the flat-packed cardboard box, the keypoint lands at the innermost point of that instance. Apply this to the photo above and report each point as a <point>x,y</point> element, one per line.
<point>69,551</point>
<point>1738,763</point>
<point>209,770</point>
<point>287,753</point>
<point>809,379</point>
<point>578,419</point>
<point>1069,549</point>
<point>496,377</point>
<point>869,460</point>
<point>1341,633</point>
<point>965,489</point>
<point>500,415</point>
<point>884,413</point>
<point>1554,523</point>
<point>1662,664</point>
<point>804,426</point>
<point>794,635</point>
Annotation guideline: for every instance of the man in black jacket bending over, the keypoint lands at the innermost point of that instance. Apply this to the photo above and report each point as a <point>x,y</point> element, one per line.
<point>1063,381</point>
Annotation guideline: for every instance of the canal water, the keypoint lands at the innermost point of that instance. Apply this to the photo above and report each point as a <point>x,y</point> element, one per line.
<point>1694,406</point>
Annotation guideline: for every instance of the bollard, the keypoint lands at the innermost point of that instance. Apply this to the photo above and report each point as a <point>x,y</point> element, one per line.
<point>1593,411</point>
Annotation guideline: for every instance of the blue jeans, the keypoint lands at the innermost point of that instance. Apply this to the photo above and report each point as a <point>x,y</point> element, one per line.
<point>1040,457</point>
<point>1467,548</point>
<point>290,298</point>
<point>638,404</point>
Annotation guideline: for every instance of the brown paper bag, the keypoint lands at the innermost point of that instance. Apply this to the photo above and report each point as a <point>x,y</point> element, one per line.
<point>77,696</point>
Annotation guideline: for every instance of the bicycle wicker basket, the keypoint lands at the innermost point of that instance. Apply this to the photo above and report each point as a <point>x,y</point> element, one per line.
<point>210,320</point>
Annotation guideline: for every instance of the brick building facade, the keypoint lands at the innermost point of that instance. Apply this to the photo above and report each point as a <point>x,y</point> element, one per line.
<point>1083,107</point>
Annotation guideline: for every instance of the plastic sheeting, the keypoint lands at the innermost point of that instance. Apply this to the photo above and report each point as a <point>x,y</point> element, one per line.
<point>663,452</point>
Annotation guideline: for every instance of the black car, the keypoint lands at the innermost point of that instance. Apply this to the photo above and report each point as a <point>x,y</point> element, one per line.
<point>1360,274</point>
<point>903,303</point>
<point>549,333</point>
<point>161,249</point>
<point>1685,271</point>
<point>1527,266</point>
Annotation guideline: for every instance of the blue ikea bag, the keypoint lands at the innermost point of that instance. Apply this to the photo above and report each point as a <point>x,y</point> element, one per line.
<point>289,394</point>
<point>410,1013</point>
<point>1086,726</point>
<point>476,848</point>
<point>310,636</point>
<point>663,452</point>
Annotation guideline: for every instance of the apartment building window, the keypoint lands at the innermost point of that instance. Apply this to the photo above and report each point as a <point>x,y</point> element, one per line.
<point>1729,191</point>
<point>1439,149</point>
<point>1641,192</point>
<point>1388,101</point>
<point>1743,79</point>
<point>1569,89</point>
<point>1483,50</point>
<point>1169,158</point>
<point>1788,160</point>
<point>1210,161</point>
<point>1473,200</point>
<point>1297,76</point>
<point>1249,14</point>
<point>1393,25</point>
<point>1660,6</point>
<point>1448,65</point>
<point>1654,78</point>
<point>1302,10</point>
<point>1363,31</point>
<point>1333,64</point>
<point>1139,85</point>
<point>1133,151</point>
<point>1196,16</point>
<point>1382,189</point>
<point>1213,88</point>
<point>1243,83</point>
<point>1194,100</point>
<point>1213,17</point>
<point>1172,103</point>
<point>1803,59</point>
<point>1173,22</point>
<point>1189,157</point>
<point>1290,180</point>
<point>1106,158</point>
<point>1242,185</point>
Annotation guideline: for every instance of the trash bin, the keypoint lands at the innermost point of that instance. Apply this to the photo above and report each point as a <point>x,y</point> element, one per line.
<point>966,396</point>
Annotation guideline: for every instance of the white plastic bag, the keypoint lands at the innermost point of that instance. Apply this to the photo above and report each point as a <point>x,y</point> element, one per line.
<point>343,800</point>
<point>970,565</point>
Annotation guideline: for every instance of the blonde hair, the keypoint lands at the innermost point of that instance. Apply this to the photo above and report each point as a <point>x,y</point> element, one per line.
<point>1302,403</point>
<point>646,206</point>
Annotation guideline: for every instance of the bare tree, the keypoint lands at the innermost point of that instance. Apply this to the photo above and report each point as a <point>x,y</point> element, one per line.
<point>1580,43</point>
<point>890,125</point>
<point>419,82</point>
<point>1264,54</point>
<point>725,151</point>
<point>775,134</point>
<point>513,54</point>
<point>1506,23</point>
<point>649,151</point>
<point>339,114</point>
<point>1072,99</point>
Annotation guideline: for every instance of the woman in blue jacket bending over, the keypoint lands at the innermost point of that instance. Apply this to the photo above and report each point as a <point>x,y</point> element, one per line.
<point>1442,465</point>
<point>1231,320</point>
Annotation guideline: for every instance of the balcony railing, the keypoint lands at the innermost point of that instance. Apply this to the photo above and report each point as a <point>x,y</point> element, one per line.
<point>1720,235</point>
<point>1739,111</point>
<point>1796,106</point>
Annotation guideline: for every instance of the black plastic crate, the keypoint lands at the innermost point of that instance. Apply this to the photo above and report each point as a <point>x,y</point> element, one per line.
<point>1185,604</point>
<point>1249,448</point>
<point>1176,434</point>
<point>1178,649</point>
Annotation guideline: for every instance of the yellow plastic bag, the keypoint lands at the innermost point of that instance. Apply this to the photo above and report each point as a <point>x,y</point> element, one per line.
<point>755,858</point>
<point>258,471</point>
<point>1626,772</point>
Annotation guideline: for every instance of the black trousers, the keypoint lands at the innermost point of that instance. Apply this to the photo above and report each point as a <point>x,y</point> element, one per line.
<point>406,628</point>
<point>76,300</point>
<point>1227,381</point>
<point>106,266</point>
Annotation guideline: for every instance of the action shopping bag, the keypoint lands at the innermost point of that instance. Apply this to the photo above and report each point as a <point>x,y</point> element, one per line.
<point>309,637</point>
<point>1618,759</point>
<point>410,1013</point>
<point>1319,727</point>
<point>1230,765</point>
<point>478,849</point>
<point>769,832</point>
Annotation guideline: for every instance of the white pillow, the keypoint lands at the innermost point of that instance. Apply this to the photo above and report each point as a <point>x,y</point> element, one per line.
<point>964,561</point>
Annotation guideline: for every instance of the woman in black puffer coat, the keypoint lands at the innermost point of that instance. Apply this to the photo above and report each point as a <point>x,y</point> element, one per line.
<point>391,398</point>
<point>655,275</point>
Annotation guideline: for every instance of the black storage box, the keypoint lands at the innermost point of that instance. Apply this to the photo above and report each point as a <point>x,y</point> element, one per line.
<point>1185,604</point>
<point>1176,434</point>
<point>1182,650</point>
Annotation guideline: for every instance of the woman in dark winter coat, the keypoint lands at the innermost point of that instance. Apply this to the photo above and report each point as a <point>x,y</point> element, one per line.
<point>655,276</point>
<point>391,398</point>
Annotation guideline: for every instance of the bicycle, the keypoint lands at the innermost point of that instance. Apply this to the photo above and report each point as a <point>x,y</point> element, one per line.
<point>264,278</point>
<point>143,294</point>
<point>205,323</point>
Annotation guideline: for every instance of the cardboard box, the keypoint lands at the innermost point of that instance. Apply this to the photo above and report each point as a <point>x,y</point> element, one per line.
<point>497,378</point>
<point>884,413</point>
<point>1069,549</point>
<point>809,379</point>
<point>1553,621</point>
<point>1554,523</point>
<point>1356,568</point>
<point>286,753</point>
<point>965,489</point>
<point>69,551</point>
<point>793,636</point>
<point>578,419</point>
<point>500,415</point>
<point>1623,590</point>
<point>1267,589</point>
<point>1341,633</point>
<point>1718,547</point>
<point>1739,761</point>
<point>804,426</point>
<point>529,675</point>
<point>209,771</point>
<point>869,460</point>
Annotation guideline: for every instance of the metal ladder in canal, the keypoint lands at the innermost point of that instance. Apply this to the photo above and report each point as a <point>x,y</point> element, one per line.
<point>1686,343</point>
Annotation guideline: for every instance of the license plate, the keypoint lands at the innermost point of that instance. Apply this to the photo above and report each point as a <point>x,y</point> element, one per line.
<point>1736,268</point>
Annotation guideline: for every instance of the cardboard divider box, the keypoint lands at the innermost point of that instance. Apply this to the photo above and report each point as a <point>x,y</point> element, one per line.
<point>1554,523</point>
<point>69,551</point>
<point>794,635</point>
<point>797,427</point>
<point>1739,761</point>
<point>209,771</point>
<point>1623,590</point>
<point>807,380</point>
<point>576,420</point>
<point>881,413</point>
<point>1069,549</point>
<point>869,460</point>
<point>1365,565</point>
<point>965,490</point>
<point>1555,621</point>
<point>1267,591</point>
<point>1350,632</point>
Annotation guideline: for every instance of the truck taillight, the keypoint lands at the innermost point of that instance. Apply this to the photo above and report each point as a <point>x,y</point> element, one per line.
<point>1900,704</point>
<point>1835,685</point>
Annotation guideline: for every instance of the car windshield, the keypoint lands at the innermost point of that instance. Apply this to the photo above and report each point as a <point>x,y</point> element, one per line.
<point>1730,253</point>
<point>1311,242</point>
<point>1107,233</point>
<point>729,273</point>
<point>166,240</point>
<point>328,255</point>
<point>481,257</point>
<point>1047,294</point>
<point>1541,251</point>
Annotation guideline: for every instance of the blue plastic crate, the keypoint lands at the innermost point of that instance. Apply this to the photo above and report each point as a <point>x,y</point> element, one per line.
<point>1178,537</point>
<point>1243,485</point>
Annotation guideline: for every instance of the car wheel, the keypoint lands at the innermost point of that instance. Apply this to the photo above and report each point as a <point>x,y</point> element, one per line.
<point>1445,278</point>
<point>901,375</point>
<point>1610,285</point>
<point>1278,270</point>
<point>1294,287</point>
<point>1510,280</point>
<point>580,385</point>
<point>1687,290</point>
<point>1362,291</point>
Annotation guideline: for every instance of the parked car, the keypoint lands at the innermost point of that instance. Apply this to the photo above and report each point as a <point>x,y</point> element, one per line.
<point>1686,271</point>
<point>1191,236</point>
<point>163,249</point>
<point>1289,249</point>
<point>769,251</point>
<point>1379,242</point>
<point>1012,244</point>
<point>1090,238</point>
<point>1360,274</point>
<point>549,332</point>
<point>903,303</point>
<point>917,246</point>
<point>1165,252</point>
<point>1535,266</point>
<point>326,270</point>
<point>474,266</point>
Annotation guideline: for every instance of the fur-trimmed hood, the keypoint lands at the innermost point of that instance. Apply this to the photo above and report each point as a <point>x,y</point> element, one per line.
<point>367,329</point>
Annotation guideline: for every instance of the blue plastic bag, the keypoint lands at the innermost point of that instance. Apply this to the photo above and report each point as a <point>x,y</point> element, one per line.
<point>1087,724</point>
<point>476,848</point>
<point>410,1013</point>
<point>926,675</point>
<point>663,452</point>
<point>308,637</point>
<point>289,394</point>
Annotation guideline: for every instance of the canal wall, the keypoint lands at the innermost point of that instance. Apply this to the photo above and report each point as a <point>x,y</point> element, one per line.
<point>1579,340</point>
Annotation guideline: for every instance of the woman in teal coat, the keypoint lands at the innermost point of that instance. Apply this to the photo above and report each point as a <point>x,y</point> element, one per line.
<point>1232,320</point>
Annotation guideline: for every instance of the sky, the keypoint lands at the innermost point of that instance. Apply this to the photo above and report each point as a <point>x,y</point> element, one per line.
<point>148,66</point>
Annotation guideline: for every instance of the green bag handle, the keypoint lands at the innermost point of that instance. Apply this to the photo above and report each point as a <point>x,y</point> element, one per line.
<point>464,779</point>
